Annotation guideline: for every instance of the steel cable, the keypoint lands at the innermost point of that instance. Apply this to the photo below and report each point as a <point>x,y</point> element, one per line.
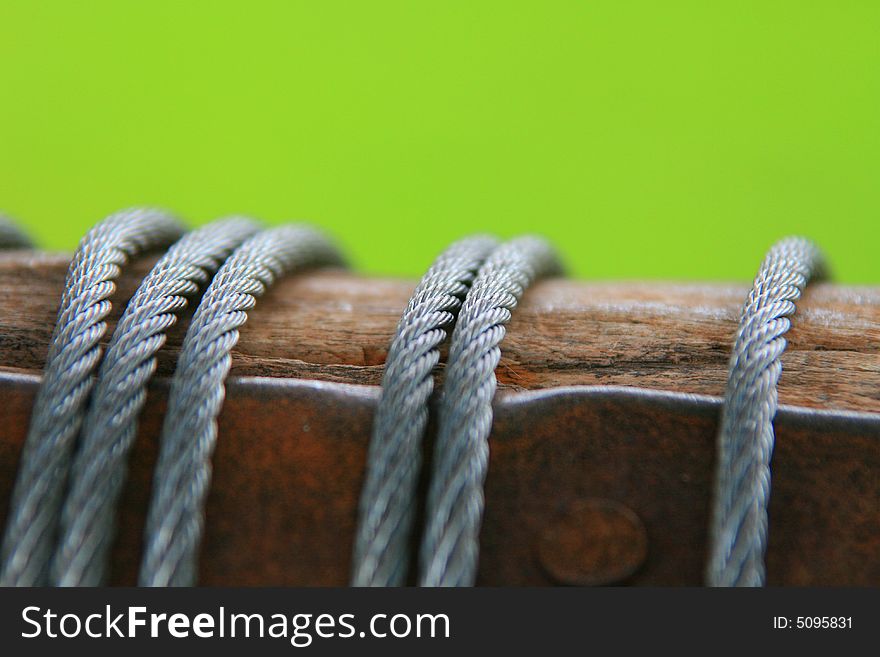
<point>110,426</point>
<point>394,459</point>
<point>474,279</point>
<point>60,402</point>
<point>450,543</point>
<point>183,471</point>
<point>11,236</point>
<point>738,529</point>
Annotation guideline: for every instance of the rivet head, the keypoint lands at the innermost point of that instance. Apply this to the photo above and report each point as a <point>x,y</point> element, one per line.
<point>593,542</point>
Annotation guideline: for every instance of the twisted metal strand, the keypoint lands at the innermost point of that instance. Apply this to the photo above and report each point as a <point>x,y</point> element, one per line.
<point>738,530</point>
<point>183,471</point>
<point>11,236</point>
<point>450,544</point>
<point>60,403</point>
<point>388,499</point>
<point>100,464</point>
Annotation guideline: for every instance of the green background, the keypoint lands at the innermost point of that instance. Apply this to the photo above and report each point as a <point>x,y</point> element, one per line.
<point>646,139</point>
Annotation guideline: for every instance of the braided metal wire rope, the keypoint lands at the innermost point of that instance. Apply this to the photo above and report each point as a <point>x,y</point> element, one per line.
<point>176,515</point>
<point>60,403</point>
<point>738,529</point>
<point>110,426</point>
<point>450,544</point>
<point>11,236</point>
<point>394,459</point>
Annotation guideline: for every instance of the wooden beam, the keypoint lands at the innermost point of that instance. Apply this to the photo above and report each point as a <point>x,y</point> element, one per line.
<point>336,326</point>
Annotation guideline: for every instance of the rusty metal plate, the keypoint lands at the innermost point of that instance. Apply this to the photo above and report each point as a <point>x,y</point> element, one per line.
<point>586,485</point>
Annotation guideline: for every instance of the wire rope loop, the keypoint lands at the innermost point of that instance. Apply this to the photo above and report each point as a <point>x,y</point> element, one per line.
<point>11,236</point>
<point>738,524</point>
<point>450,543</point>
<point>394,458</point>
<point>60,403</point>
<point>110,426</point>
<point>183,471</point>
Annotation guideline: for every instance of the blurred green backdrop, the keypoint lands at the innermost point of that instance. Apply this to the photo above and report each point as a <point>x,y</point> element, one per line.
<point>647,139</point>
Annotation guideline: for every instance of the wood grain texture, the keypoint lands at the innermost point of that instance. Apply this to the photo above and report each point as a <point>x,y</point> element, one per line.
<point>336,326</point>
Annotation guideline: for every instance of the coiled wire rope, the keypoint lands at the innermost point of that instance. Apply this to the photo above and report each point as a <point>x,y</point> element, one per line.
<point>450,543</point>
<point>60,402</point>
<point>491,281</point>
<point>11,236</point>
<point>738,525</point>
<point>389,497</point>
<point>110,426</point>
<point>183,471</point>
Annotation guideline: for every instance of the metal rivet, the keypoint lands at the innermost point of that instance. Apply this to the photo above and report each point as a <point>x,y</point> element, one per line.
<point>593,542</point>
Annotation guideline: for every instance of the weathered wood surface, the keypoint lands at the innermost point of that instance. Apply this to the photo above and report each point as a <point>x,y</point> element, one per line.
<point>336,326</point>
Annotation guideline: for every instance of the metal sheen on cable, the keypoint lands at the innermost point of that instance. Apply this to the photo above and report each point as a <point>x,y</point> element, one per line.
<point>450,543</point>
<point>100,463</point>
<point>60,402</point>
<point>738,529</point>
<point>183,471</point>
<point>389,497</point>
